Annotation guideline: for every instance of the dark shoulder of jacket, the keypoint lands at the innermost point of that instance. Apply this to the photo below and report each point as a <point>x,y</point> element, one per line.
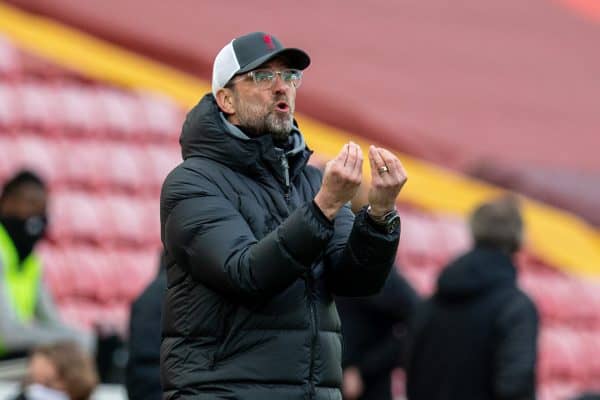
<point>194,177</point>
<point>519,306</point>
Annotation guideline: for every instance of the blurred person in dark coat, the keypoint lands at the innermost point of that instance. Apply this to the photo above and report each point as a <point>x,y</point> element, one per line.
<point>588,396</point>
<point>476,338</point>
<point>142,378</point>
<point>373,330</point>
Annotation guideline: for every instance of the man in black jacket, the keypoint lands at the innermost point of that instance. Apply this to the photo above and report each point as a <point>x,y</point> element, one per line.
<point>142,378</point>
<point>476,338</point>
<point>257,242</point>
<point>373,330</point>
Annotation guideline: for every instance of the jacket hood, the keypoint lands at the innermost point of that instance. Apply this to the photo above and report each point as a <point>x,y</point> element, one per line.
<point>474,273</point>
<point>206,133</point>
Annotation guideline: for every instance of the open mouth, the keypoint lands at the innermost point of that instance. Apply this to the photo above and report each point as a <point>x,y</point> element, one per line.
<point>282,106</point>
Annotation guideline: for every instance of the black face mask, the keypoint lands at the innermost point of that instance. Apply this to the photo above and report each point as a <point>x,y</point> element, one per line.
<point>25,233</point>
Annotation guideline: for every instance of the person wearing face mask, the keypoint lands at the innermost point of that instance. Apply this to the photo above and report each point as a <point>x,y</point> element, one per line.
<point>29,317</point>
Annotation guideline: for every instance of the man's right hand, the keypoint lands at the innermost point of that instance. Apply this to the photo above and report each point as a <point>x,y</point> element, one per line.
<point>341,180</point>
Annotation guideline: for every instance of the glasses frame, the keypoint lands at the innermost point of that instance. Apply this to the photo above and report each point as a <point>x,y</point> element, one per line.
<point>252,74</point>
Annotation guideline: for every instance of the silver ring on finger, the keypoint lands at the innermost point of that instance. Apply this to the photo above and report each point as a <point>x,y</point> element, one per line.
<point>383,170</point>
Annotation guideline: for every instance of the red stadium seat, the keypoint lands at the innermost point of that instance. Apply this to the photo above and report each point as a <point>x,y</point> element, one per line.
<point>562,355</point>
<point>162,116</point>
<point>9,110</point>
<point>160,160</point>
<point>132,271</point>
<point>7,164</point>
<point>122,168</point>
<point>120,113</point>
<point>37,106</point>
<point>125,220</point>
<point>454,234</point>
<point>77,216</point>
<point>79,109</point>
<point>39,154</point>
<point>418,240</point>
<point>83,168</point>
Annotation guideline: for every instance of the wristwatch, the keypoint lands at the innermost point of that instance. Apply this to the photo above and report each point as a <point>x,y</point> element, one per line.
<point>387,222</point>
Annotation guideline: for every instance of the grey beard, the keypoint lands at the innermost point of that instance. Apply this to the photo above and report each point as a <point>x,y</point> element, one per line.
<point>278,128</point>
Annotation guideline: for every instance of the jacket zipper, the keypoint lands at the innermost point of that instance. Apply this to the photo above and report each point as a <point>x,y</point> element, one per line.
<point>286,176</point>
<point>314,332</point>
<point>313,312</point>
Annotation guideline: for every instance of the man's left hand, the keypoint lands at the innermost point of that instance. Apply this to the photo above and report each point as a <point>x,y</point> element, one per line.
<point>387,179</point>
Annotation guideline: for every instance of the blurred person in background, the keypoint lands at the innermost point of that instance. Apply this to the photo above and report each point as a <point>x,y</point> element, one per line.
<point>29,317</point>
<point>60,371</point>
<point>476,337</point>
<point>143,366</point>
<point>588,396</point>
<point>258,242</point>
<point>373,330</point>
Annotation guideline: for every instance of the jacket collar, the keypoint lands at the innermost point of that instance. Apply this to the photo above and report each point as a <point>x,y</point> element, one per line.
<point>206,133</point>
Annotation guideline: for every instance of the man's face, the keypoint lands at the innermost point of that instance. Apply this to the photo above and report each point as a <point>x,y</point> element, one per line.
<point>264,110</point>
<point>27,201</point>
<point>43,372</point>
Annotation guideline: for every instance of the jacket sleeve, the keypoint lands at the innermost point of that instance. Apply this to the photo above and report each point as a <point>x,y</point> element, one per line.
<point>359,256</point>
<point>207,235</point>
<point>17,336</point>
<point>516,352</point>
<point>45,308</point>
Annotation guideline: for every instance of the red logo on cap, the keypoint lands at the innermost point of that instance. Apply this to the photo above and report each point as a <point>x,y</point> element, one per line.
<point>269,42</point>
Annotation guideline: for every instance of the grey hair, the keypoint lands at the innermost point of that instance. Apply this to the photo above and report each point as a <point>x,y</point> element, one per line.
<point>499,224</point>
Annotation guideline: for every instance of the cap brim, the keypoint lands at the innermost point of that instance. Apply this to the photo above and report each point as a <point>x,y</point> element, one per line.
<point>295,58</point>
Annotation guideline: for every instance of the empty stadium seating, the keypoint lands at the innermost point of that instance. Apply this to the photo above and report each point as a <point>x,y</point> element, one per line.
<point>105,152</point>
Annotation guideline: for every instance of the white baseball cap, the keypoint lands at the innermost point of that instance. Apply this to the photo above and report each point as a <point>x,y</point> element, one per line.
<point>245,53</point>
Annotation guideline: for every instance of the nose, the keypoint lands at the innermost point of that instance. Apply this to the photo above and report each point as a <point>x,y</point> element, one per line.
<point>279,85</point>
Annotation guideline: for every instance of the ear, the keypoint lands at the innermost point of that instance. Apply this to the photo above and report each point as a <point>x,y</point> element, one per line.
<point>224,100</point>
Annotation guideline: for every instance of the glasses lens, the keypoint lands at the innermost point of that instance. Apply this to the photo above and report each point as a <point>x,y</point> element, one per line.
<point>263,77</point>
<point>292,76</point>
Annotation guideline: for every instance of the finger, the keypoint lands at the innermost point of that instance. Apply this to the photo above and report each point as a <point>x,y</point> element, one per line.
<point>343,154</point>
<point>374,173</point>
<point>401,171</point>
<point>398,171</point>
<point>352,157</point>
<point>390,162</point>
<point>375,154</point>
<point>359,163</point>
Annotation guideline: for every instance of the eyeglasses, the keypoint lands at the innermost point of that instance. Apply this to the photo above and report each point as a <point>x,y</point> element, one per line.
<point>265,78</point>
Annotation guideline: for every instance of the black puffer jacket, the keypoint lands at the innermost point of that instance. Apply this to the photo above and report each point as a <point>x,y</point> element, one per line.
<point>252,267</point>
<point>476,338</point>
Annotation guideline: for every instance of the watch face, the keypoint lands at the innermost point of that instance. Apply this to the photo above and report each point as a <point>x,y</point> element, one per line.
<point>393,224</point>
